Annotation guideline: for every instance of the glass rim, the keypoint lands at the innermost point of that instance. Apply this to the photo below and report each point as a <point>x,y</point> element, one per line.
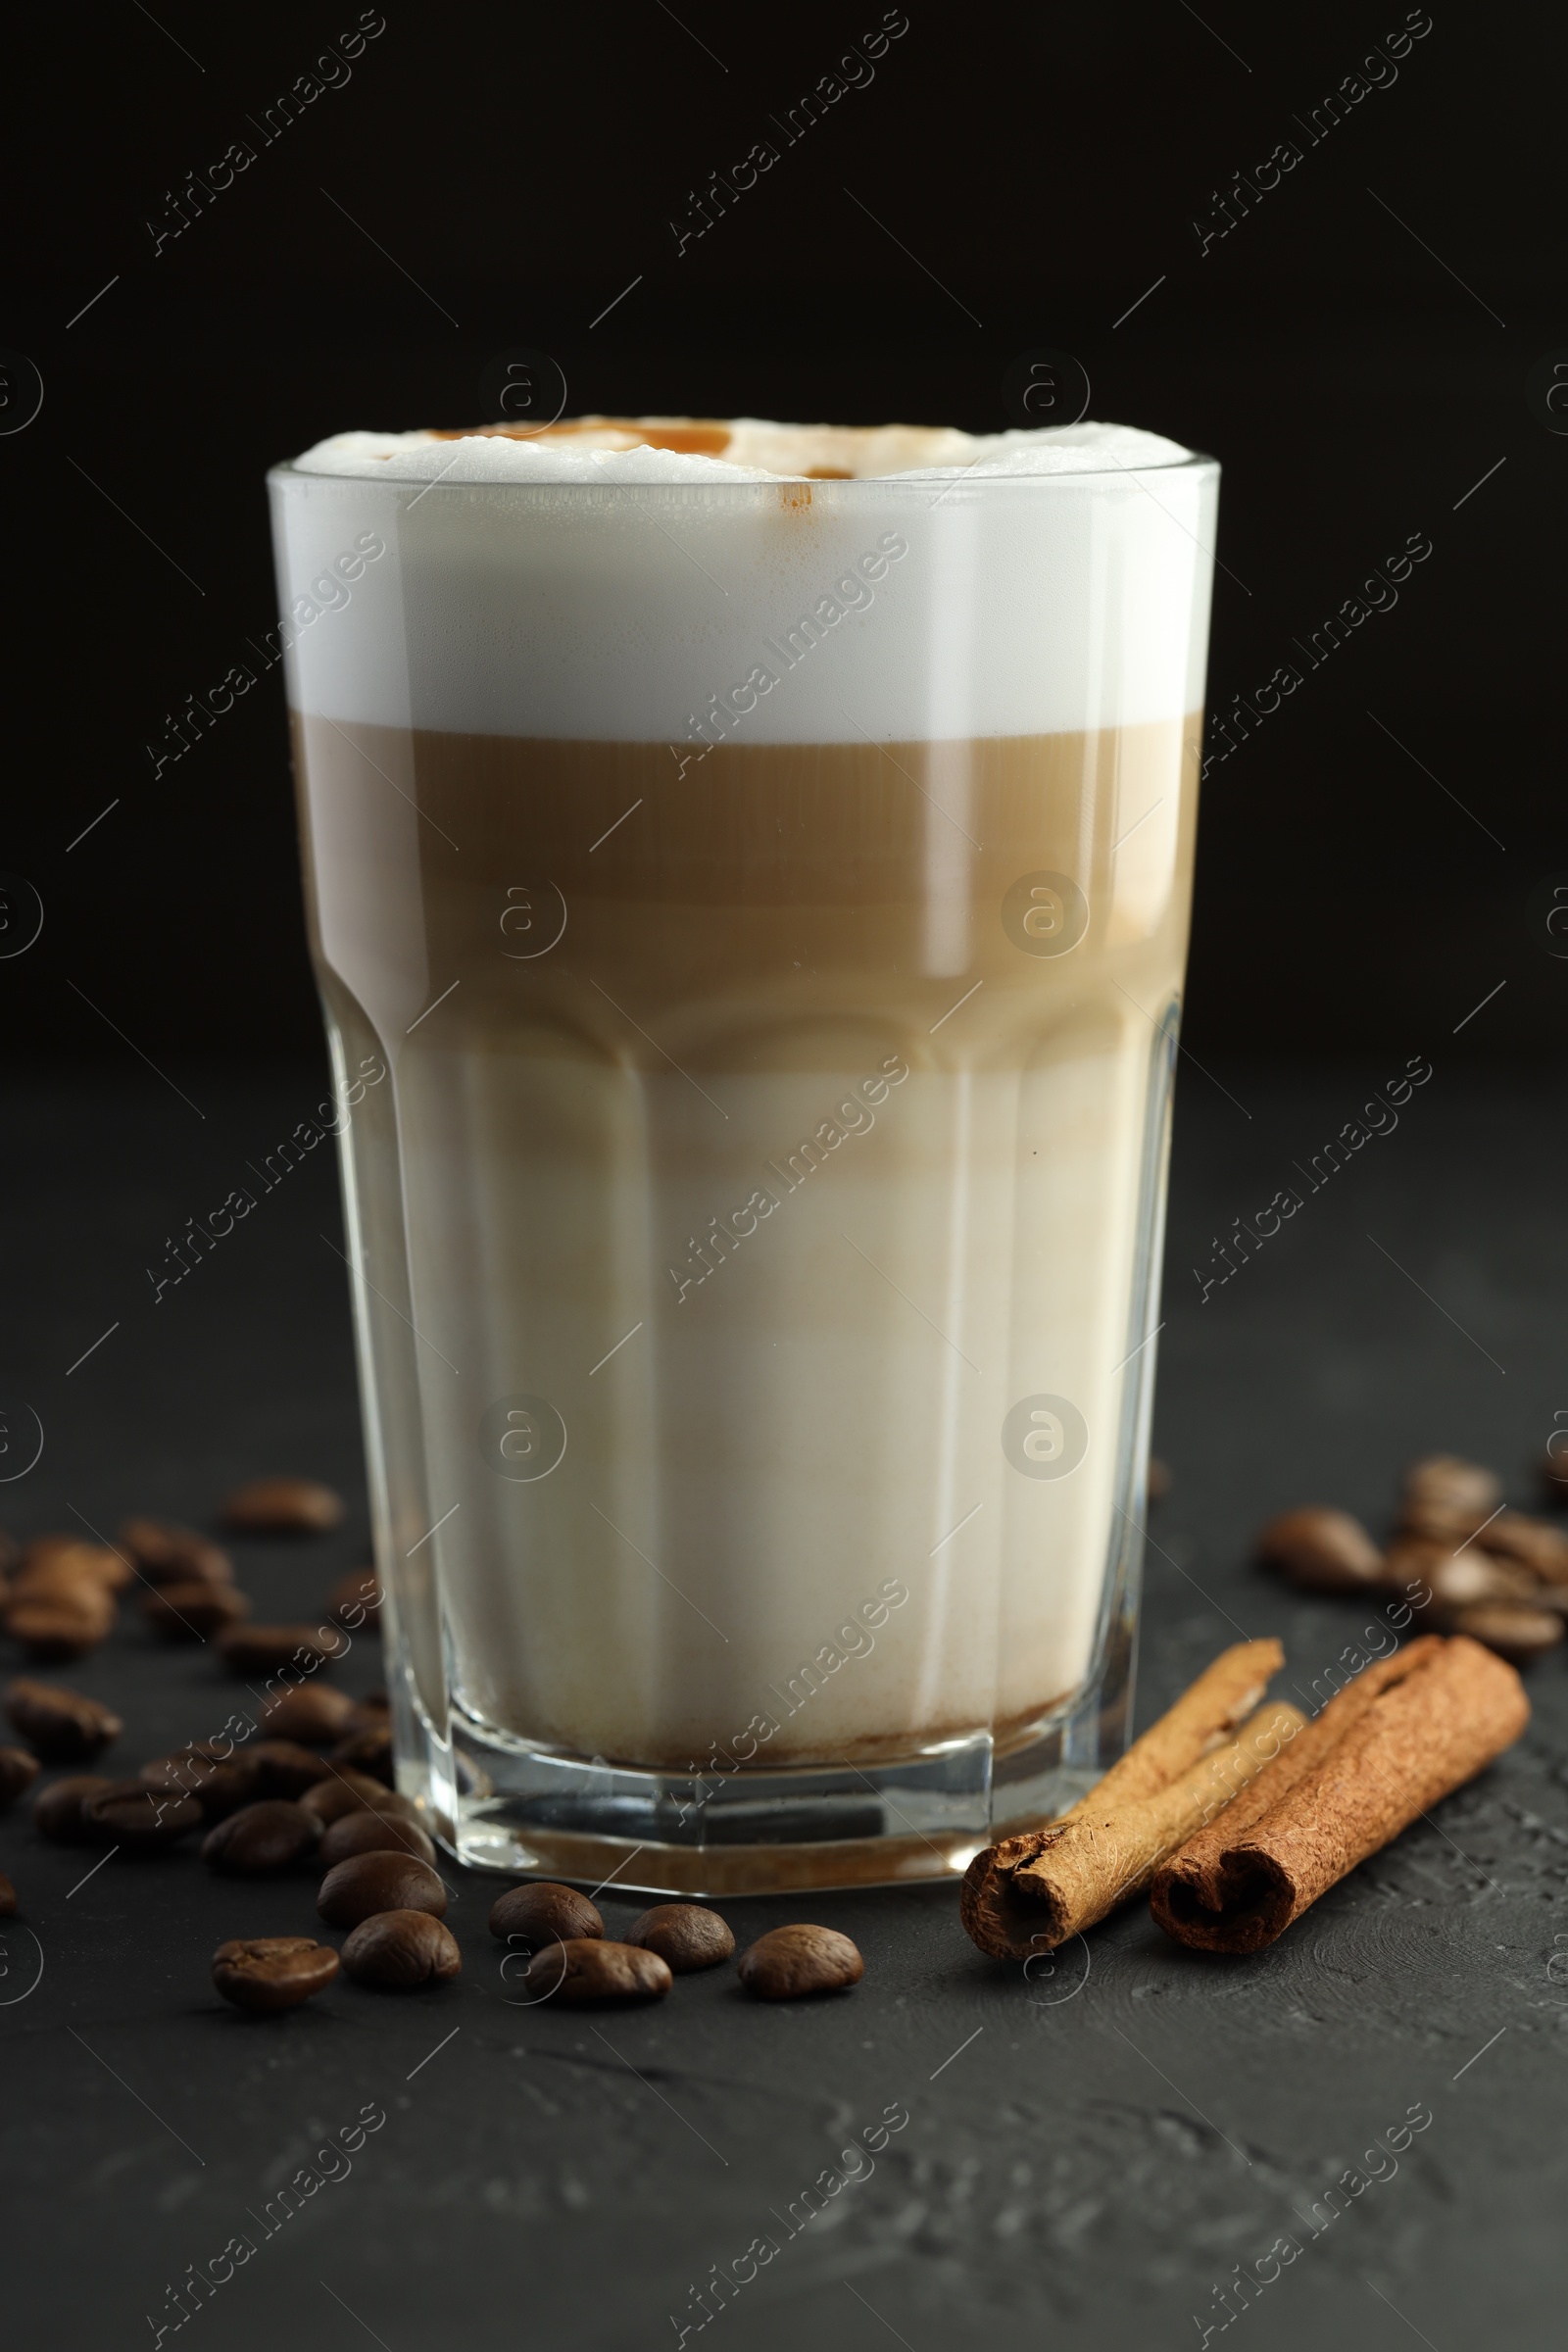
<point>286,469</point>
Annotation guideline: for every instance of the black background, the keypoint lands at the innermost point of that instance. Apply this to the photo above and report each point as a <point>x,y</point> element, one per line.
<point>1081,2170</point>
<point>1036,169</point>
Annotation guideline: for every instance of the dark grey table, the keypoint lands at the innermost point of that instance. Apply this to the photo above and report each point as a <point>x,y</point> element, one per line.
<point>1086,2159</point>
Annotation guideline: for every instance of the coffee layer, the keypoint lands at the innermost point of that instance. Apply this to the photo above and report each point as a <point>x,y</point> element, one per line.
<point>765,1136</point>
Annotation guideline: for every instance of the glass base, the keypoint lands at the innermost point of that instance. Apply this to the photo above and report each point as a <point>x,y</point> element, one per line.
<point>497,1803</point>
<point>506,1807</point>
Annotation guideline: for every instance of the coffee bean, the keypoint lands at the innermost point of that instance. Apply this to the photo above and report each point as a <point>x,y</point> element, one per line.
<point>367,1832</point>
<point>355,1791</point>
<point>1322,1550</point>
<point>264,1648</point>
<point>354,1599</point>
<point>57,1811</point>
<point>54,1628</point>
<point>400,1950</point>
<point>1467,1579</point>
<point>127,1813</point>
<point>1446,1496</point>
<point>366,1883</point>
<point>368,1751</point>
<point>8,1898</point>
<point>55,1559</point>
<point>220,1782</point>
<point>312,1712</point>
<point>17,1772</point>
<point>284,1768</point>
<point>1535,1543</point>
<point>1516,1634</point>
<point>1158,1479</point>
<point>1553,1468</point>
<point>59,1725</point>
<point>269,1836</point>
<point>541,1912</point>
<point>684,1935</point>
<point>789,1962</point>
<point>283,1506</point>
<point>175,1556</point>
<point>268,1973</point>
<point>193,1612</point>
<point>589,1968</point>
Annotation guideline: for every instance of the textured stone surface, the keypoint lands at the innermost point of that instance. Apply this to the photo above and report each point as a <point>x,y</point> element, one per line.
<point>1086,2156</point>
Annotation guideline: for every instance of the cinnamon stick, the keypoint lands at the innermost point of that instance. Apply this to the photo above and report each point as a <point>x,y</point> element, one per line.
<point>1207,1711</point>
<point>1409,1730</point>
<point>1031,1892</point>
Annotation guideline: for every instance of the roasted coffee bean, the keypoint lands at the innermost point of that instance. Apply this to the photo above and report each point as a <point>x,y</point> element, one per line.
<point>129,1814</point>
<point>354,1599</point>
<point>268,1973</point>
<point>789,1962</point>
<point>264,1648</point>
<point>1516,1634</point>
<point>589,1968</point>
<point>1535,1543</point>
<point>59,1725</point>
<point>17,1772</point>
<point>49,1558</point>
<point>367,1750</point>
<point>57,1811</point>
<point>1465,1580</point>
<point>175,1556</point>
<point>193,1612</point>
<point>220,1783</point>
<point>284,1768</point>
<point>366,1883</point>
<point>399,1951</point>
<point>1555,1472</point>
<point>356,1791</point>
<point>314,1712</point>
<point>283,1506</point>
<point>272,1835</point>
<point>541,1912</point>
<point>685,1935</point>
<point>1446,1496</point>
<point>368,1832</point>
<point>52,1628</point>
<point>1321,1549</point>
<point>1158,1479</point>
<point>62,1579</point>
<point>8,1898</point>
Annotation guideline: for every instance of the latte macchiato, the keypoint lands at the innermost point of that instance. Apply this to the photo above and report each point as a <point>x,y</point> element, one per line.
<point>761,857</point>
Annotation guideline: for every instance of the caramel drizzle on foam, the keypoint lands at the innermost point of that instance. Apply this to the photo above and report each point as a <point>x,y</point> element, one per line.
<point>695,440</point>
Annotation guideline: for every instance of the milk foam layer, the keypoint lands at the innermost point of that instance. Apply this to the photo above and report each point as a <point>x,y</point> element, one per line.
<point>812,584</point>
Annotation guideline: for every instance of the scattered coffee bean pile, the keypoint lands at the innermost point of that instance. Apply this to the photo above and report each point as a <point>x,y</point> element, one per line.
<point>262,1808</point>
<point>279,1804</point>
<point>571,1960</point>
<point>1493,1573</point>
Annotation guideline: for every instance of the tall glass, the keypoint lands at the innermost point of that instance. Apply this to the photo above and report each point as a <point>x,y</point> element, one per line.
<point>751,922</point>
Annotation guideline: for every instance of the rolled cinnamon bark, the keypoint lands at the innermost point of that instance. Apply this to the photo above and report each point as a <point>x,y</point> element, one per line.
<point>1031,1892</point>
<point>1206,1713</point>
<point>1409,1730</point>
